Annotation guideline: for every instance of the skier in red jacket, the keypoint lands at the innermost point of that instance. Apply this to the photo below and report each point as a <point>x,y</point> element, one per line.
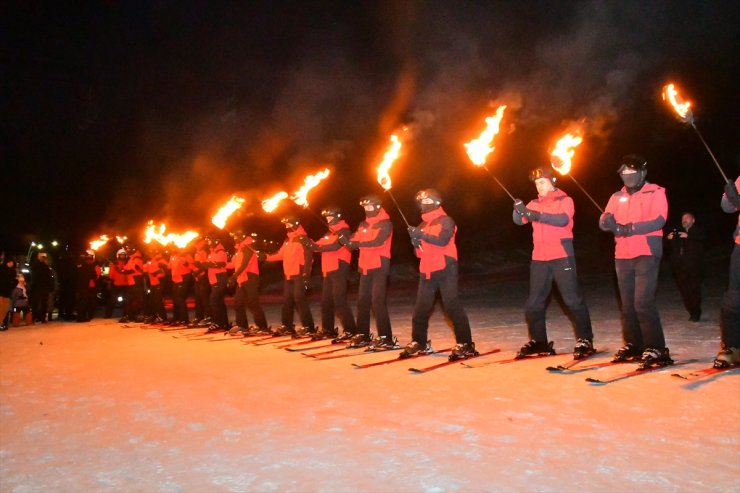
<point>553,259</point>
<point>636,215</point>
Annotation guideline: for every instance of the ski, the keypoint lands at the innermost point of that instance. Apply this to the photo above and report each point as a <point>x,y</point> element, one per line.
<point>347,355</point>
<point>397,359</point>
<point>510,360</point>
<point>451,362</point>
<point>300,342</point>
<point>174,328</point>
<point>568,366</point>
<point>311,348</point>
<point>316,355</point>
<point>704,372</point>
<point>275,340</point>
<point>630,374</point>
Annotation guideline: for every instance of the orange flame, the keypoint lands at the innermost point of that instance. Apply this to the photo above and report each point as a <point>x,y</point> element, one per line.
<point>562,156</point>
<point>121,239</point>
<point>269,205</point>
<point>301,196</point>
<point>682,108</point>
<point>158,234</point>
<point>96,244</point>
<point>223,214</point>
<point>389,158</point>
<point>479,149</point>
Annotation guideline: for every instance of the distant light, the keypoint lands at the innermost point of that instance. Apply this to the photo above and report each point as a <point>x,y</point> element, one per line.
<point>33,243</point>
<point>40,246</point>
<point>25,271</point>
<point>120,299</point>
<point>54,243</point>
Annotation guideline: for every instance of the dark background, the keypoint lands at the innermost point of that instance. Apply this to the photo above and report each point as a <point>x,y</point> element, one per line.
<point>116,112</point>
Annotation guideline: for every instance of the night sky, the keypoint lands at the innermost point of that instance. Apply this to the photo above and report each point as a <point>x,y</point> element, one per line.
<point>115,112</point>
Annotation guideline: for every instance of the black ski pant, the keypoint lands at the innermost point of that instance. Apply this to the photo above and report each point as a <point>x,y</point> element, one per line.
<point>156,302</point>
<point>730,311</point>
<point>638,280</point>
<point>444,281</point>
<point>562,271</point>
<point>39,299</point>
<point>247,296</point>
<point>218,301</point>
<point>688,279</point>
<point>202,297</point>
<point>138,297</point>
<point>86,299</point>
<point>334,301</point>
<point>372,295</point>
<point>294,297</point>
<point>115,293</point>
<point>179,300</point>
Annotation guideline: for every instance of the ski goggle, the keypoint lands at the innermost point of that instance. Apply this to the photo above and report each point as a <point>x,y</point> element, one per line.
<point>633,164</point>
<point>369,201</point>
<point>538,173</point>
<point>425,198</point>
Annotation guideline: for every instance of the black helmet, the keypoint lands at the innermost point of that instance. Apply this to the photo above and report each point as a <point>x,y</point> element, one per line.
<point>333,212</point>
<point>538,173</point>
<point>371,199</point>
<point>428,199</point>
<point>635,178</point>
<point>290,221</point>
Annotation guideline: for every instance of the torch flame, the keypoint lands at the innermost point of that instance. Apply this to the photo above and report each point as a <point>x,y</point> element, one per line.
<point>158,234</point>
<point>561,157</point>
<point>479,149</point>
<point>301,196</point>
<point>269,205</point>
<point>670,94</point>
<point>96,244</point>
<point>226,211</point>
<point>389,158</point>
<point>121,239</point>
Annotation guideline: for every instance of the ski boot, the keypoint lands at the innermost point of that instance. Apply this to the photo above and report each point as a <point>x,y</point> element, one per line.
<point>652,357</point>
<point>383,343</point>
<point>463,350</point>
<point>628,352</point>
<point>358,341</point>
<point>535,347</point>
<point>236,330</point>
<point>345,337</point>
<point>124,320</point>
<point>284,330</point>
<point>584,348</point>
<point>325,334</point>
<point>414,348</point>
<point>305,332</point>
<point>729,356</point>
<point>214,328</point>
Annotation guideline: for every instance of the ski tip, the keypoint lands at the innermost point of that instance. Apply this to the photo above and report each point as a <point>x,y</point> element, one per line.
<point>416,370</point>
<point>678,375</point>
<point>594,381</point>
<point>555,368</point>
<point>357,367</point>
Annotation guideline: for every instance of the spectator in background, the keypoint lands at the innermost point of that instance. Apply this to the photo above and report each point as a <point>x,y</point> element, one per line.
<point>7,284</point>
<point>42,283</point>
<point>21,306</point>
<point>687,251</point>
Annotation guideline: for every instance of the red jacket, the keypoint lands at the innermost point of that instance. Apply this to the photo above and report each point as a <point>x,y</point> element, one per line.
<point>180,266</point>
<point>646,210</point>
<point>553,236</point>
<point>296,257</point>
<point>155,268</point>
<point>117,277</point>
<point>432,254</point>
<point>217,255</point>
<point>252,263</point>
<point>330,260</point>
<point>136,266</point>
<point>370,257</point>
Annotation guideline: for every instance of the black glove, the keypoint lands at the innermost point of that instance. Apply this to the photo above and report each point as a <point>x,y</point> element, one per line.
<point>416,242</point>
<point>623,229</point>
<point>306,241</point>
<point>343,240</point>
<point>732,194</point>
<point>198,264</point>
<point>519,207</point>
<point>414,233</point>
<point>231,282</point>
<point>609,222</point>
<point>261,256</point>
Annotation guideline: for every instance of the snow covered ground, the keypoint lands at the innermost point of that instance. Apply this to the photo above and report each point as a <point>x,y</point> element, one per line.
<point>97,407</point>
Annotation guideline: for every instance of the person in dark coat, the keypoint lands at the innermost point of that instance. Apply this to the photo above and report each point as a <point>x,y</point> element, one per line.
<point>8,282</point>
<point>687,253</point>
<point>42,283</point>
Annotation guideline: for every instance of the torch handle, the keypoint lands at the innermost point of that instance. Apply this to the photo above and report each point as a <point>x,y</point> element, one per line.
<point>500,184</point>
<point>398,207</point>
<point>587,194</point>
<point>321,219</point>
<point>710,152</point>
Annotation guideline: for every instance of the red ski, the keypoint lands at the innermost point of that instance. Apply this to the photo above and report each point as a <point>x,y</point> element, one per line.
<point>511,360</point>
<point>704,372</point>
<point>448,362</point>
<point>568,367</point>
<point>396,360</point>
<point>630,374</point>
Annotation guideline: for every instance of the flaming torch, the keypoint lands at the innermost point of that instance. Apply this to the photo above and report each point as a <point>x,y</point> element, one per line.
<point>479,149</point>
<point>301,196</point>
<point>95,245</point>
<point>684,114</point>
<point>384,179</point>
<point>561,159</point>
<point>269,205</point>
<point>223,214</point>
<point>153,233</point>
